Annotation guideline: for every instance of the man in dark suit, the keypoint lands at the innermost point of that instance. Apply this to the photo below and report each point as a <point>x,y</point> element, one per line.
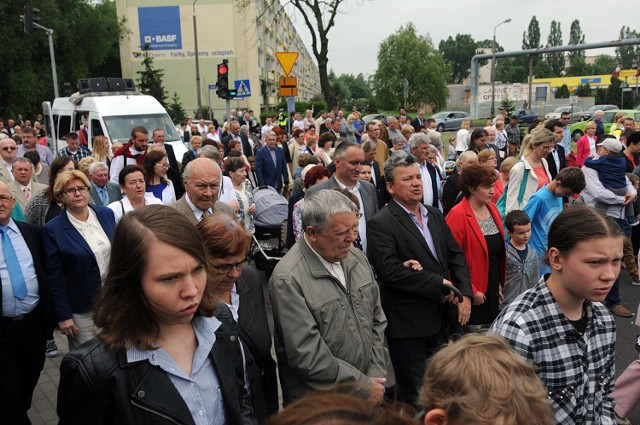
<point>25,312</point>
<point>369,149</point>
<point>348,158</point>
<point>556,159</point>
<point>418,120</point>
<point>419,145</point>
<point>234,134</point>
<point>103,192</point>
<point>418,317</point>
<point>271,166</point>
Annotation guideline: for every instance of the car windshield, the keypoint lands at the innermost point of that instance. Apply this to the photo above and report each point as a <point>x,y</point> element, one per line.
<point>594,108</point>
<point>440,115</point>
<point>562,109</point>
<point>119,127</point>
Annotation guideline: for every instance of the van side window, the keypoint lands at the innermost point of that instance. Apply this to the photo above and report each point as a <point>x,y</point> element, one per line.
<point>64,125</point>
<point>96,130</point>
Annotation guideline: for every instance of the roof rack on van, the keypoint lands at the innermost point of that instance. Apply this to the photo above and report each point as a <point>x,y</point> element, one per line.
<point>76,98</point>
<point>104,87</point>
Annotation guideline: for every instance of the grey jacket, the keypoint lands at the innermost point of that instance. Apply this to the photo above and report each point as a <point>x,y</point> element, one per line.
<point>521,276</point>
<point>326,334</point>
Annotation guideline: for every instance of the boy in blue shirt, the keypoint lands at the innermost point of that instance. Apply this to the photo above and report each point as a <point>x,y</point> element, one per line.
<point>546,204</point>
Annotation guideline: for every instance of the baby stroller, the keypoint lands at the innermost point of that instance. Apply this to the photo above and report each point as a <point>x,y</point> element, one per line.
<point>270,221</point>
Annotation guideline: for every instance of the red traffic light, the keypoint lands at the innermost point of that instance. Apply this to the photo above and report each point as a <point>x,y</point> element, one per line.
<point>222,69</point>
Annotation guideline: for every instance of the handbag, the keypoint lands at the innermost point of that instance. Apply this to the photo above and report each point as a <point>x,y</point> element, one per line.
<point>502,200</point>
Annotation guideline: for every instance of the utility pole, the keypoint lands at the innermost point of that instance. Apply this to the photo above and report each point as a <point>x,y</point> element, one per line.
<point>195,42</point>
<point>493,68</point>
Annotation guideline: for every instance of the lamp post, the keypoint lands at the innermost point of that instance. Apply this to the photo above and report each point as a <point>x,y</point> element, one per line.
<point>195,42</point>
<point>493,69</point>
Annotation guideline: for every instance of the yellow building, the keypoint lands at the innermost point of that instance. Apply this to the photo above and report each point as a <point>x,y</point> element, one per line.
<point>223,32</point>
<point>594,81</point>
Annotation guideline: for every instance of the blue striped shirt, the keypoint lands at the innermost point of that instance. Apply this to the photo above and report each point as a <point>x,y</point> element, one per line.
<point>200,391</point>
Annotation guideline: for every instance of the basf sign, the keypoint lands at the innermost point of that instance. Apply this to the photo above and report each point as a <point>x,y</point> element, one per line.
<point>160,27</point>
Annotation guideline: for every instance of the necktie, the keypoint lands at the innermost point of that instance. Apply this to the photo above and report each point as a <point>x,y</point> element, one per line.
<point>104,197</point>
<point>206,213</point>
<point>13,266</point>
<point>27,193</point>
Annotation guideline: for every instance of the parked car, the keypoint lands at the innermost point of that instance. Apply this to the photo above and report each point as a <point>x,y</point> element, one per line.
<point>450,120</point>
<point>577,129</point>
<point>576,113</point>
<point>591,111</point>
<point>525,115</point>
<point>380,117</point>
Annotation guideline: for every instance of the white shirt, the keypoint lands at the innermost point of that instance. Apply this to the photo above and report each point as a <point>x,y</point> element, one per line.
<point>96,238</point>
<point>124,206</point>
<point>362,222</point>
<point>427,188</point>
<point>335,269</point>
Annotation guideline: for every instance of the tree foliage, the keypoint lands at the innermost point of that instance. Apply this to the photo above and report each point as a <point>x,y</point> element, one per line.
<point>86,42</point>
<point>150,80</point>
<point>577,67</point>
<point>604,64</point>
<point>627,55</point>
<point>175,109</point>
<point>508,105</point>
<point>583,90</point>
<point>457,54</point>
<point>543,70</point>
<point>405,54</point>
<point>531,37</point>
<point>512,70</point>
<point>576,36</point>
<point>355,85</point>
<point>555,60</point>
<point>562,92</point>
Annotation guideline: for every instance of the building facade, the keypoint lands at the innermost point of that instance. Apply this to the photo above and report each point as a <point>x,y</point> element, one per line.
<point>248,37</point>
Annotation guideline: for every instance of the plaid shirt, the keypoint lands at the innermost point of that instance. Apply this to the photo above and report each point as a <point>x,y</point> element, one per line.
<point>578,370</point>
<point>513,134</point>
<point>82,152</point>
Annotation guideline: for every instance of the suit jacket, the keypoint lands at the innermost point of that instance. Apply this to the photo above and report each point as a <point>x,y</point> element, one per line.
<point>367,193</point>
<point>71,265</point>
<point>33,238</point>
<point>182,206</point>
<point>412,300</point>
<point>5,174</point>
<point>415,123</point>
<point>19,195</point>
<point>551,162</point>
<point>113,191</point>
<point>268,173</point>
<point>246,146</point>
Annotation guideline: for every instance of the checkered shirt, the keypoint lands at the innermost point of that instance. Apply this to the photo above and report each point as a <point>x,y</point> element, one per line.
<point>578,370</point>
<point>82,152</point>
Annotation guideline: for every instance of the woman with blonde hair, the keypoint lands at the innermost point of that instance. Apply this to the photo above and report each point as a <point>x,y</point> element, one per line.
<point>462,136</point>
<point>350,128</point>
<point>586,145</point>
<point>101,151</point>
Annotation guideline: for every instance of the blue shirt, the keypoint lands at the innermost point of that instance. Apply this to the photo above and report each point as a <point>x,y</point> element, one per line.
<point>543,207</point>
<point>11,306</point>
<point>156,189</point>
<point>200,391</point>
<point>566,140</point>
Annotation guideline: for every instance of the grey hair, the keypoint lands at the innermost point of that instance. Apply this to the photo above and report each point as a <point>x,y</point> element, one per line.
<point>434,137</point>
<point>418,139</point>
<point>433,149</point>
<point>320,206</point>
<point>187,170</point>
<point>394,162</point>
<point>210,152</point>
<point>466,156</point>
<point>244,129</point>
<point>94,166</point>
<point>22,159</point>
<point>368,146</point>
<point>271,133</point>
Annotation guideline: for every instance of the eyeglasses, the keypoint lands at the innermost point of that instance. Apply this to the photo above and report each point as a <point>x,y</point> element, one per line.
<point>73,190</point>
<point>9,148</point>
<point>5,199</point>
<point>239,266</point>
<point>164,166</point>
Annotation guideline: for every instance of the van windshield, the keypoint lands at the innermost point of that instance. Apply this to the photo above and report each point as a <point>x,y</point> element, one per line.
<point>119,127</point>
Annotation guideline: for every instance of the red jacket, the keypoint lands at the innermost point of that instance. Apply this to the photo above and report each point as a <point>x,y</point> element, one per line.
<point>466,231</point>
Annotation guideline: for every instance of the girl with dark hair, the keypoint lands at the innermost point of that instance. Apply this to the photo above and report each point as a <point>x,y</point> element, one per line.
<point>560,325</point>
<point>156,165</point>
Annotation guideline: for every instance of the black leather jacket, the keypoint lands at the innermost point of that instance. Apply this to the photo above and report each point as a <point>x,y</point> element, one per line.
<point>98,386</point>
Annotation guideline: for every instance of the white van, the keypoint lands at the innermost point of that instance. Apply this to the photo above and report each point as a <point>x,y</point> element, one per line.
<point>112,114</point>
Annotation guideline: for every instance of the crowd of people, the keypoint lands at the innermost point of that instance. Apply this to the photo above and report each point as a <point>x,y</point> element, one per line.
<point>463,271</point>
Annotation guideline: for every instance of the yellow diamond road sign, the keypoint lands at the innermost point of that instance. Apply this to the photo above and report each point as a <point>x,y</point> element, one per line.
<point>287,60</point>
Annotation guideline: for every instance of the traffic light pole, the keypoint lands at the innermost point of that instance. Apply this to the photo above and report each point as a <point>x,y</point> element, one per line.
<point>54,72</point>
<point>228,114</point>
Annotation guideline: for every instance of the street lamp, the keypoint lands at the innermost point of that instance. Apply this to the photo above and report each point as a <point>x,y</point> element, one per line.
<point>493,68</point>
<point>195,42</point>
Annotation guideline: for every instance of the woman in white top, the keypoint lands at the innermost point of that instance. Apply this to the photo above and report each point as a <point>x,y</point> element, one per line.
<point>462,137</point>
<point>325,142</point>
<point>236,169</point>
<point>156,165</point>
<point>133,186</point>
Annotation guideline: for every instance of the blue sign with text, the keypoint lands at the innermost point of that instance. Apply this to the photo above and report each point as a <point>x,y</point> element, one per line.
<point>243,89</point>
<point>160,27</point>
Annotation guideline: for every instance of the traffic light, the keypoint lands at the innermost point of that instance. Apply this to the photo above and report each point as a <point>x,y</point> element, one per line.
<point>30,16</point>
<point>223,91</point>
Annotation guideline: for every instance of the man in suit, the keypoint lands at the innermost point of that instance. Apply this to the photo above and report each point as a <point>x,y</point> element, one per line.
<point>556,159</point>
<point>418,120</point>
<point>8,150</point>
<point>419,318</point>
<point>271,166</point>
<point>348,158</point>
<point>369,149</point>
<point>25,312</point>
<point>202,178</point>
<point>103,192</point>
<point>234,134</point>
<point>22,186</point>
<point>419,144</point>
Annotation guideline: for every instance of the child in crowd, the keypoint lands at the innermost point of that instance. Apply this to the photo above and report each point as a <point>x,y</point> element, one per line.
<point>546,204</point>
<point>611,168</point>
<point>561,327</point>
<point>522,262</point>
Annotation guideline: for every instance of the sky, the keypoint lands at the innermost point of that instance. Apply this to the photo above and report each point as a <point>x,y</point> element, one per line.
<point>363,24</point>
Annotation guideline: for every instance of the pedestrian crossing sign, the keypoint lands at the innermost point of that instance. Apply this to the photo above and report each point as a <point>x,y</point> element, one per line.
<point>243,89</point>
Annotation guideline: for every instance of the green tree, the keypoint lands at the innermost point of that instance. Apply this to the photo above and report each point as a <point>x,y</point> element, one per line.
<point>576,36</point>
<point>562,92</point>
<point>578,67</point>
<point>150,80</point>
<point>543,70</point>
<point>405,54</point>
<point>555,60</point>
<point>600,95</point>
<point>457,54</point>
<point>531,38</point>
<point>627,55</point>
<point>614,92</point>
<point>508,105</point>
<point>583,90</point>
<point>86,42</point>
<point>175,109</point>
<point>511,70</point>
<point>604,64</point>
<point>356,85</point>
